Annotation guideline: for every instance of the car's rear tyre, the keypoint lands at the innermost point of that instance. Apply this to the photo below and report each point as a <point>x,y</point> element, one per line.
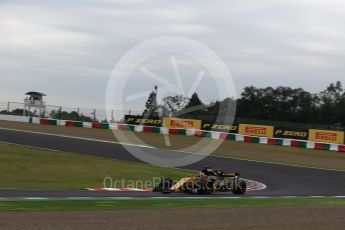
<point>239,187</point>
<point>164,185</point>
<point>209,187</point>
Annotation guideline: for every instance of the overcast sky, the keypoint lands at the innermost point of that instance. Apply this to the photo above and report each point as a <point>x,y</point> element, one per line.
<point>68,49</point>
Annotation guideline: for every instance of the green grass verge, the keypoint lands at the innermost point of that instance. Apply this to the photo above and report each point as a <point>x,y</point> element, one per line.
<point>261,152</point>
<point>26,167</point>
<point>70,205</point>
<point>287,162</point>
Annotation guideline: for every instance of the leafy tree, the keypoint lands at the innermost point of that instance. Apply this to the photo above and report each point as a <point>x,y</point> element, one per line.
<point>220,111</point>
<point>151,106</point>
<point>73,116</point>
<point>269,103</point>
<point>82,117</point>
<point>194,101</point>
<point>294,105</point>
<point>19,112</point>
<point>172,104</point>
<point>194,109</point>
<point>330,100</point>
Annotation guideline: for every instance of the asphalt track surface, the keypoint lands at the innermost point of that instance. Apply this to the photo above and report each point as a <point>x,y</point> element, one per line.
<point>281,180</point>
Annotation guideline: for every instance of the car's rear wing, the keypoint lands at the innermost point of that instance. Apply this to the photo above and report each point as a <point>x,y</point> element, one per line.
<point>231,174</point>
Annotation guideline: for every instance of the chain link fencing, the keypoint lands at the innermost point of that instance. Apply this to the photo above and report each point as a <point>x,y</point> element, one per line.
<point>66,113</point>
<point>82,114</point>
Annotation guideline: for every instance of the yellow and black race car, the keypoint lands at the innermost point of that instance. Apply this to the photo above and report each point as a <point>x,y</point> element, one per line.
<point>207,182</point>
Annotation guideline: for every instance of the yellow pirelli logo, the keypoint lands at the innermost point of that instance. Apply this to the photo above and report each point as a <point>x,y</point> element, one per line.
<point>328,136</point>
<point>181,123</point>
<point>256,130</point>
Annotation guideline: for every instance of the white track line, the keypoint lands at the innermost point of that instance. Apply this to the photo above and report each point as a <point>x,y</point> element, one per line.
<point>167,198</point>
<point>30,146</point>
<point>254,186</point>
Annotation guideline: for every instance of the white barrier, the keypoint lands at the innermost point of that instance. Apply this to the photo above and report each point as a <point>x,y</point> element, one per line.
<point>14,118</point>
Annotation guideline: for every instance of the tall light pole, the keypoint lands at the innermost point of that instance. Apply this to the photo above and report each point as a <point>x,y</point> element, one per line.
<point>156,89</point>
<point>155,103</point>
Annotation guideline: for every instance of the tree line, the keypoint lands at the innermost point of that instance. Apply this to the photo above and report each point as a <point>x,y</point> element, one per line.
<point>294,105</point>
<point>281,103</point>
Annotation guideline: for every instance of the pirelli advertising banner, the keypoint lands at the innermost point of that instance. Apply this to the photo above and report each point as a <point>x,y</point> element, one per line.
<point>140,120</point>
<point>328,136</point>
<point>256,130</point>
<point>181,123</point>
<point>286,133</point>
<point>221,128</point>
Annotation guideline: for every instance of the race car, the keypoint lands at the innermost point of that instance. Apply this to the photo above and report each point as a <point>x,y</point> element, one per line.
<point>207,182</point>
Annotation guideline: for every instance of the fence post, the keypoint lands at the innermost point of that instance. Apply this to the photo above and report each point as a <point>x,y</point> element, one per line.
<point>78,111</point>
<point>112,116</point>
<point>94,115</point>
<point>8,107</point>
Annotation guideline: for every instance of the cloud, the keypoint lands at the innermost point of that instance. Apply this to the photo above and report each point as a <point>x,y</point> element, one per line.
<point>79,42</point>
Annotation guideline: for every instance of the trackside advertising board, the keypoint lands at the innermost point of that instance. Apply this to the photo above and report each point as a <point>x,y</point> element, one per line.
<point>286,133</point>
<point>140,120</point>
<point>220,128</point>
<point>327,136</point>
<point>256,130</point>
<point>181,123</point>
